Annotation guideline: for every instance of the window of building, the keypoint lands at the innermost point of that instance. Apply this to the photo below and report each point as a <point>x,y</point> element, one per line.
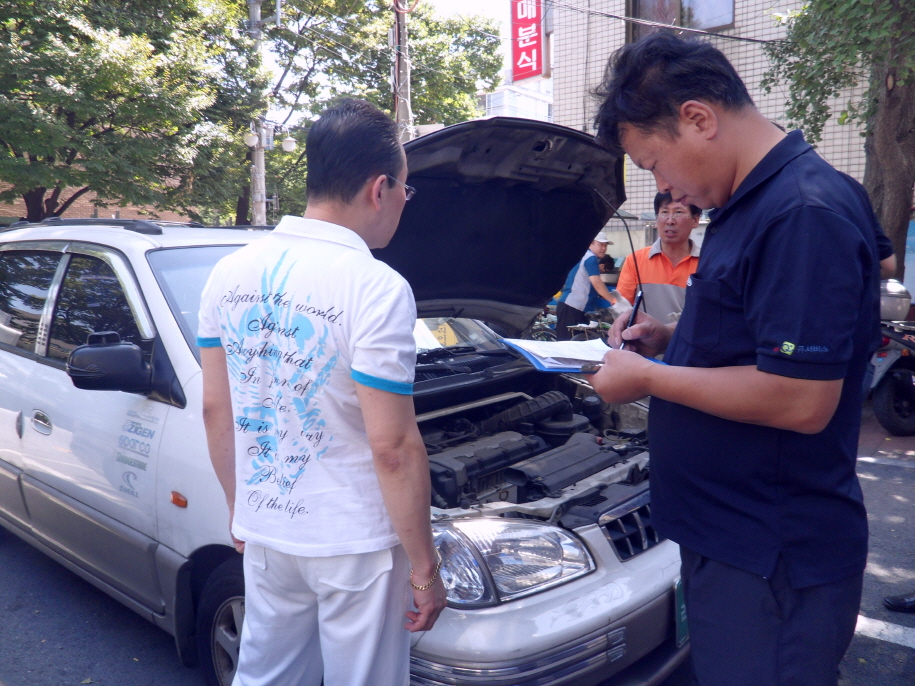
<point>707,15</point>
<point>91,301</point>
<point>25,278</point>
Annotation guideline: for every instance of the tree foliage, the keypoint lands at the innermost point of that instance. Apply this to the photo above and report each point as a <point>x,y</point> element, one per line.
<point>333,48</point>
<point>346,43</point>
<point>834,45</point>
<point>127,99</point>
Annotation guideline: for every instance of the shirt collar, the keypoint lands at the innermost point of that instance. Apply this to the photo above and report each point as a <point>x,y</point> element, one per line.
<point>321,231</point>
<point>656,248</point>
<point>791,146</point>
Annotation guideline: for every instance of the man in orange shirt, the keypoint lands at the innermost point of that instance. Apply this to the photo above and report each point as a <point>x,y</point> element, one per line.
<point>666,265</point>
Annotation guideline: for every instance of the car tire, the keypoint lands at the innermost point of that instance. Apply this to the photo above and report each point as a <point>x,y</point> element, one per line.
<point>220,614</point>
<point>894,402</point>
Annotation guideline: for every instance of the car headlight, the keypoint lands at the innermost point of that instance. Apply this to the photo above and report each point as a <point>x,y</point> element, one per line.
<point>486,561</point>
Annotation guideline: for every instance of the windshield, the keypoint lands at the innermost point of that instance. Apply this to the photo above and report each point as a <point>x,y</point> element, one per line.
<point>182,273</point>
<point>443,332</point>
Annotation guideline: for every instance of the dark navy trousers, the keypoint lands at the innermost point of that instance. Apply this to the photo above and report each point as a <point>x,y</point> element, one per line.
<point>746,630</point>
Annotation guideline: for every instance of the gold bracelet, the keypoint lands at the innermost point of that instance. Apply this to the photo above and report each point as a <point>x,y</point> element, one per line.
<point>426,587</point>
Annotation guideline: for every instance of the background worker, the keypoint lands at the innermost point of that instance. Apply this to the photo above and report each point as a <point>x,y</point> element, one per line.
<point>308,361</point>
<point>582,288</point>
<point>755,417</point>
<point>666,265</point>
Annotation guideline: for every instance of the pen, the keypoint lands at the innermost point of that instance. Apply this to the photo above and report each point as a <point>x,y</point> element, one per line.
<point>635,310</point>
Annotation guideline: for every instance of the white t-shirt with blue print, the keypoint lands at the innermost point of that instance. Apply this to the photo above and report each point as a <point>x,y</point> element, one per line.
<point>304,314</point>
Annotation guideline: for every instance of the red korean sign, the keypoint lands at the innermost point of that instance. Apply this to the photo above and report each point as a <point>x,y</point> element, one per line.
<point>527,39</point>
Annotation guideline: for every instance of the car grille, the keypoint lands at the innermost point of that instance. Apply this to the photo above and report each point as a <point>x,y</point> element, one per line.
<point>628,527</point>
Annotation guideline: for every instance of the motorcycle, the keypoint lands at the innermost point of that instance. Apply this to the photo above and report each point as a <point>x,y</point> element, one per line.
<point>893,384</point>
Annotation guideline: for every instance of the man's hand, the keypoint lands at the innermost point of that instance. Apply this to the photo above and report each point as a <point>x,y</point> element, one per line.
<point>647,336</point>
<point>239,544</point>
<point>622,378</point>
<point>429,604</point>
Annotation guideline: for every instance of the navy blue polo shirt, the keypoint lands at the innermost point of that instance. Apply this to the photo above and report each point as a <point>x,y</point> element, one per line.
<point>788,281</point>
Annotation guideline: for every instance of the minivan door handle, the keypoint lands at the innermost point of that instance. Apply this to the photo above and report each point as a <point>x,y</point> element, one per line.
<point>41,422</point>
<point>19,425</point>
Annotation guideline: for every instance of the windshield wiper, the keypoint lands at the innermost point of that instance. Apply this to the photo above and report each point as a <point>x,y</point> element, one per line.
<point>427,356</point>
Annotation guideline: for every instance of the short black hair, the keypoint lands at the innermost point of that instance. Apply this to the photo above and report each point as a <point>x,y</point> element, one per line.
<point>646,82</point>
<point>662,199</point>
<point>351,142</point>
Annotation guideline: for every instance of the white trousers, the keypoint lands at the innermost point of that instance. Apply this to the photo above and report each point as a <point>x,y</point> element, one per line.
<point>338,618</point>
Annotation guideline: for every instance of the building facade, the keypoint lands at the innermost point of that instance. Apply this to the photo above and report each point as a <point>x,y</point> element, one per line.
<point>586,32</point>
<point>84,207</point>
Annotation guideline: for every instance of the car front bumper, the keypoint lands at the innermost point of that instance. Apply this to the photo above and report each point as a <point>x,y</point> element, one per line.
<point>639,649</point>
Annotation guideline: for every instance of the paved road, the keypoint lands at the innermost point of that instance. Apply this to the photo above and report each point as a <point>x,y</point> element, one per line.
<point>56,630</point>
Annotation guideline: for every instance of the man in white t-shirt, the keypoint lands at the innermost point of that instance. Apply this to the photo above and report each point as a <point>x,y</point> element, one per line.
<point>308,361</point>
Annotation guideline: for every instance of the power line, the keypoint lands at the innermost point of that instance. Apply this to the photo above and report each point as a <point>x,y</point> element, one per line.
<point>645,22</point>
<point>630,20</point>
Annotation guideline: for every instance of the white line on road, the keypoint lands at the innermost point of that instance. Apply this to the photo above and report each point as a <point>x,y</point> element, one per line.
<point>884,631</point>
<point>887,461</point>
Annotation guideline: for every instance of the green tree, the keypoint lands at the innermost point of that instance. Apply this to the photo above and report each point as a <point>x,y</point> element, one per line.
<point>452,60</point>
<point>113,97</point>
<point>332,48</point>
<point>832,45</point>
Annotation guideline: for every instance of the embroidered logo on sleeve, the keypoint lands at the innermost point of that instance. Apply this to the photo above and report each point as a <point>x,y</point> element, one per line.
<point>789,348</point>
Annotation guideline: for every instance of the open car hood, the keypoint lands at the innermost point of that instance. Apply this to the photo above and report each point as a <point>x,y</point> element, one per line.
<point>504,208</point>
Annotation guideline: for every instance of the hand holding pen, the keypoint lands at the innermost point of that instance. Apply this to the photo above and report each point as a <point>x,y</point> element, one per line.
<point>632,315</point>
<point>649,336</point>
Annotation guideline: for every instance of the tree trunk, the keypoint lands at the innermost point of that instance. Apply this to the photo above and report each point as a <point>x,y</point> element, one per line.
<point>889,172</point>
<point>243,206</point>
<point>34,204</point>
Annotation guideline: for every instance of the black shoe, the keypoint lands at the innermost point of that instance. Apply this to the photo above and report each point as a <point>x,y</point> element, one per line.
<point>900,603</point>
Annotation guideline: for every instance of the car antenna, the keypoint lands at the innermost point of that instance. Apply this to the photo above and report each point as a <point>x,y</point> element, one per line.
<point>635,262</point>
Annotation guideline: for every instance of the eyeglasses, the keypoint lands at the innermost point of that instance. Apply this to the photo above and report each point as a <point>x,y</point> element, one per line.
<point>409,190</point>
<point>664,214</point>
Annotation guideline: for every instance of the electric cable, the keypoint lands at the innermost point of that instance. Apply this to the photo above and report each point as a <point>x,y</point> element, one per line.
<point>638,276</point>
<point>654,24</point>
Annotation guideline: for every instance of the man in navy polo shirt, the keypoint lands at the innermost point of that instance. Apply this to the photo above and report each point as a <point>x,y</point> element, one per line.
<point>754,419</point>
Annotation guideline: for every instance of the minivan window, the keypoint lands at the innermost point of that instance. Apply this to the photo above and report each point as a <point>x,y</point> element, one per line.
<point>91,300</point>
<point>25,277</point>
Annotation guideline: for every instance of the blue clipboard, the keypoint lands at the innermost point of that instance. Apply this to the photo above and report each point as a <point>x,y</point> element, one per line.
<point>571,369</point>
<point>574,369</point>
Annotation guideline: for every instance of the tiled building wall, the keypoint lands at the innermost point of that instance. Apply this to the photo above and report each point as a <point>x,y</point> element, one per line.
<point>583,40</point>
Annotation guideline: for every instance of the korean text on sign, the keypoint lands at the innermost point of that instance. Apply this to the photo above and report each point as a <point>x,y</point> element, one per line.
<point>527,39</point>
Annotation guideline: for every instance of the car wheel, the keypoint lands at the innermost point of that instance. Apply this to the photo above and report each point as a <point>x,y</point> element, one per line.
<point>894,402</point>
<point>220,615</point>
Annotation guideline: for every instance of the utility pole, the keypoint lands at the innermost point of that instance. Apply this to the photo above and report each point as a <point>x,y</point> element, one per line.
<point>264,134</point>
<point>403,114</point>
<point>258,166</point>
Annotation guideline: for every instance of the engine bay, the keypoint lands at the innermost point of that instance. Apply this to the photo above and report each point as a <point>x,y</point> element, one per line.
<point>517,449</point>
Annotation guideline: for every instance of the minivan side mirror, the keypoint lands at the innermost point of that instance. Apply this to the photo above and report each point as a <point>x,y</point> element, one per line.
<point>107,364</point>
